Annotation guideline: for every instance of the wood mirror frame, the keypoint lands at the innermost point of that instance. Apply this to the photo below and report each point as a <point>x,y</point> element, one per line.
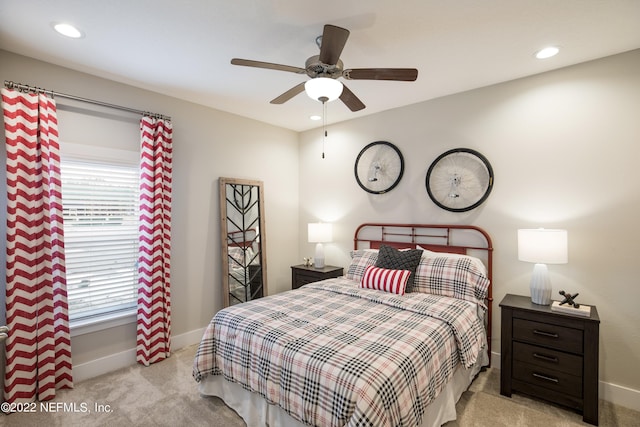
<point>242,233</point>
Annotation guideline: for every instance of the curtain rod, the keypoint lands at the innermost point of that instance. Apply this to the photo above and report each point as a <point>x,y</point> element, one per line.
<point>22,87</point>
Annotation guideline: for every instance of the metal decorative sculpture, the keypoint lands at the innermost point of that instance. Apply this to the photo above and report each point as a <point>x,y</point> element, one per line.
<point>569,299</point>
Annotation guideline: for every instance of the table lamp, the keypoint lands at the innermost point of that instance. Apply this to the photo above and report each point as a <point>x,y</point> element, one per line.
<point>542,246</point>
<point>319,233</point>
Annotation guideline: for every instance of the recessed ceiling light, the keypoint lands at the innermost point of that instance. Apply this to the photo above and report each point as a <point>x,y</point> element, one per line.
<point>67,30</point>
<point>315,117</point>
<point>547,52</point>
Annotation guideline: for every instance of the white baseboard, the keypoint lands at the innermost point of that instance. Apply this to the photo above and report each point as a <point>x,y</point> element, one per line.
<point>495,360</point>
<point>186,339</point>
<point>619,395</point>
<point>116,361</point>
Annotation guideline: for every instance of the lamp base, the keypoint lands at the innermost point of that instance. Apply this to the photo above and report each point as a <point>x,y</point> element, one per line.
<point>318,260</point>
<point>540,285</point>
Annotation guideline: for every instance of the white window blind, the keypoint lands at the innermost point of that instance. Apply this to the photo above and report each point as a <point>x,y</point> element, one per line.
<point>100,209</point>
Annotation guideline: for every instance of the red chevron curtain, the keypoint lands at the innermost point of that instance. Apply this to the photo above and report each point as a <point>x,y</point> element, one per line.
<point>38,348</point>
<point>154,262</point>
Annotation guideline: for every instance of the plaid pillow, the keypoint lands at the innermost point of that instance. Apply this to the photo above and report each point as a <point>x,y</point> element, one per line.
<point>360,259</point>
<point>452,276</point>
<point>382,279</point>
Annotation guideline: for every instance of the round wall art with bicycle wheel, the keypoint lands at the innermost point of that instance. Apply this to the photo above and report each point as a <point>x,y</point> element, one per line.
<point>459,180</point>
<point>379,167</point>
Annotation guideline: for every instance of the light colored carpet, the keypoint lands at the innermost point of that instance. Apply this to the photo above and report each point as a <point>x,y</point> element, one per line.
<point>165,394</point>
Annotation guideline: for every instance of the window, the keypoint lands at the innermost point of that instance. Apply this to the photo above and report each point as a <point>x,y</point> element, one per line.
<point>100,209</point>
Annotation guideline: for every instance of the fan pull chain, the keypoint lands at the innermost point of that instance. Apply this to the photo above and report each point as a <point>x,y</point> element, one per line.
<point>324,126</point>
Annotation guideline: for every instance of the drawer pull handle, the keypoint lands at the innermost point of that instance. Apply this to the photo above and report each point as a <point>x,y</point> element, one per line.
<point>546,378</point>
<point>546,334</point>
<point>545,357</point>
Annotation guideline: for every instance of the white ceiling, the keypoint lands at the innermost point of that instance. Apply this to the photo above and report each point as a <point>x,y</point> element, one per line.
<point>183,48</point>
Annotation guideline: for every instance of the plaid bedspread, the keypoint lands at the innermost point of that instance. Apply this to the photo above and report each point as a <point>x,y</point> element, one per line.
<point>332,354</point>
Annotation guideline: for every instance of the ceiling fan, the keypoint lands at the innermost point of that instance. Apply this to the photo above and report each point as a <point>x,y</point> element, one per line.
<point>328,66</point>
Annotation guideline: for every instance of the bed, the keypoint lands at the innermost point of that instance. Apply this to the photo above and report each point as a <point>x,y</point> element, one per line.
<point>378,346</point>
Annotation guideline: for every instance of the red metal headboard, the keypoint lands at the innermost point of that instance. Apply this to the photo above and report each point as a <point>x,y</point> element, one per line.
<point>459,239</point>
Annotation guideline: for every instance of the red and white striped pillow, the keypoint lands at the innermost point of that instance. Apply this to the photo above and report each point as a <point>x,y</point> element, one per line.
<point>382,279</point>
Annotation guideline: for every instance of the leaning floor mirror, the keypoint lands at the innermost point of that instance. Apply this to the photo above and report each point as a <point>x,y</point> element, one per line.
<point>244,266</point>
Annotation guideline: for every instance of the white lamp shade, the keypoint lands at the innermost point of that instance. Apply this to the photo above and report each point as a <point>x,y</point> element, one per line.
<point>542,246</point>
<point>323,87</point>
<point>320,232</point>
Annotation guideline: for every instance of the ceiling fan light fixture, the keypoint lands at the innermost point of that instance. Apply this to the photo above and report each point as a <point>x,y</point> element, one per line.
<point>323,89</point>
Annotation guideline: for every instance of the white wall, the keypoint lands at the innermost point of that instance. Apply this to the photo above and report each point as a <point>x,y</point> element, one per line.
<point>207,144</point>
<point>565,149</point>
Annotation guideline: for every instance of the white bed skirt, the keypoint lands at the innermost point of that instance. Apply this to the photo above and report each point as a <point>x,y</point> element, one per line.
<point>256,412</point>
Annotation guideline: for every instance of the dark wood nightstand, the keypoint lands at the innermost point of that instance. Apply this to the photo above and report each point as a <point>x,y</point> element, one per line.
<point>301,274</point>
<point>550,355</point>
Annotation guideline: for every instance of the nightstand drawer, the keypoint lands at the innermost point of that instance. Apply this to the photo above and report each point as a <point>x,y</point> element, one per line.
<point>303,279</point>
<point>548,335</point>
<point>546,358</point>
<point>301,274</point>
<point>560,382</point>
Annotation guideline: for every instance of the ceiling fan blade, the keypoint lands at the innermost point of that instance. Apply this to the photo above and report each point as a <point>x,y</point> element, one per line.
<point>398,74</point>
<point>333,41</point>
<point>268,65</point>
<point>350,100</point>
<point>289,94</point>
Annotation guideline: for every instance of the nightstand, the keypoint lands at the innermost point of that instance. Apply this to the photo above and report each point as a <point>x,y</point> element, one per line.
<point>301,274</point>
<point>550,355</point>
